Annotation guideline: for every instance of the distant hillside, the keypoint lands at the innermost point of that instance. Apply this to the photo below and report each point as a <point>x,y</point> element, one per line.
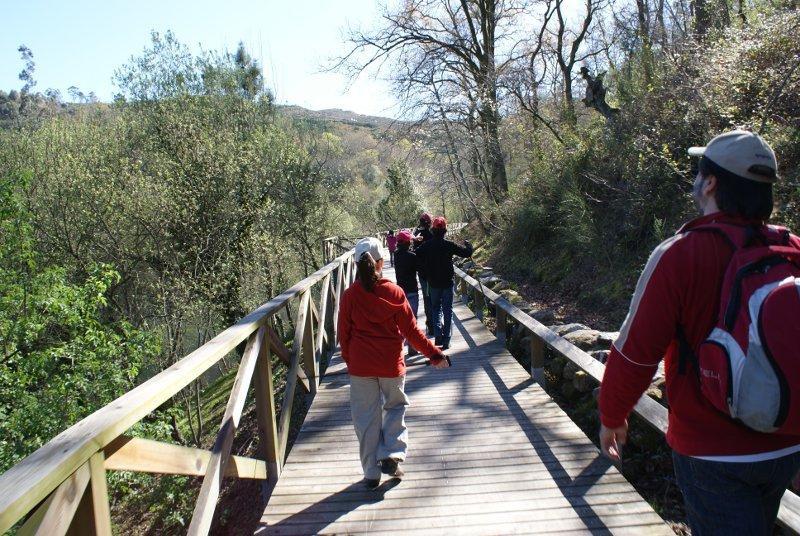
<point>339,116</point>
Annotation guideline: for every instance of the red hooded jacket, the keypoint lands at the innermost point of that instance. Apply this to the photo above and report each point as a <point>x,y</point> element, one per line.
<point>372,326</point>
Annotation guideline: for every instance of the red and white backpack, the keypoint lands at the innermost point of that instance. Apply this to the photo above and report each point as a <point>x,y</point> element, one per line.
<point>749,365</point>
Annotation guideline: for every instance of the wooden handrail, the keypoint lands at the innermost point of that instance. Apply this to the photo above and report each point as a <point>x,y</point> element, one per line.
<point>63,462</point>
<point>653,413</point>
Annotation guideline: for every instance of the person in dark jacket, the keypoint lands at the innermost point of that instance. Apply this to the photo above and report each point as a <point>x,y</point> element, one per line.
<point>406,270</point>
<point>373,319</point>
<point>436,256</point>
<point>421,235</point>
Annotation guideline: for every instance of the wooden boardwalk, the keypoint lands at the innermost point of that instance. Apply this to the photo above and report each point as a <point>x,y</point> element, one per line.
<point>490,453</point>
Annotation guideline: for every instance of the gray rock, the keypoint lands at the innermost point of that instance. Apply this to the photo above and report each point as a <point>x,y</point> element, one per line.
<point>607,338</point>
<point>490,281</point>
<point>657,390</point>
<point>569,370</point>
<point>556,366</point>
<point>513,297</point>
<point>600,355</point>
<point>582,382</point>
<point>544,316</point>
<point>501,285</point>
<point>563,329</point>
<point>585,339</point>
<point>525,344</point>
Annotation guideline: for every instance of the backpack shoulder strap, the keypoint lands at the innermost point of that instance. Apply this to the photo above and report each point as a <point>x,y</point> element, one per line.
<point>736,236</point>
<point>686,354</point>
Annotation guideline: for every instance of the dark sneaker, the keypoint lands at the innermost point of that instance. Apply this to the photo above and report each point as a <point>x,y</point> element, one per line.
<point>446,346</point>
<point>391,467</point>
<point>412,352</point>
<point>371,483</point>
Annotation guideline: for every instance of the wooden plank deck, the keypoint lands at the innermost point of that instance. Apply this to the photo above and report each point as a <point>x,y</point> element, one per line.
<point>489,453</point>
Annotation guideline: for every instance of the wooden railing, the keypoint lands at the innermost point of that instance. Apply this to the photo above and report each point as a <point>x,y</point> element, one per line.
<point>653,413</point>
<point>63,484</point>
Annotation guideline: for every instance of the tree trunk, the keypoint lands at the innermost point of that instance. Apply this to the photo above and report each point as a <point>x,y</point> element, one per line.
<point>701,19</point>
<point>569,101</point>
<point>496,162</point>
<point>643,14</point>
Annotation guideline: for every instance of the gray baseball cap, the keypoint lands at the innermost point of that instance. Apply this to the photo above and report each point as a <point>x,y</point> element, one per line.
<point>743,153</point>
<point>370,245</point>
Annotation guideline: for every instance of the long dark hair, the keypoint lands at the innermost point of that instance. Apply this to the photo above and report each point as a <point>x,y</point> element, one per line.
<point>366,271</point>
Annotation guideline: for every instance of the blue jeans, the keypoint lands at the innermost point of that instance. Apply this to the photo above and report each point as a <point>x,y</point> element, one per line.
<point>733,498</point>
<point>426,302</point>
<point>413,301</point>
<point>442,313</point>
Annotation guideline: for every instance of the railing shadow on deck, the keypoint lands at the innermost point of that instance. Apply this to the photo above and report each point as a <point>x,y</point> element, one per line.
<point>339,504</point>
<point>653,413</point>
<point>321,514</point>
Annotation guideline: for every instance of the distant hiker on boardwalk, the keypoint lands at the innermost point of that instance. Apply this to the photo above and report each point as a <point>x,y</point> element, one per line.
<point>421,235</point>
<point>406,270</point>
<point>436,256</point>
<point>391,245</point>
<point>719,302</point>
<point>373,319</point>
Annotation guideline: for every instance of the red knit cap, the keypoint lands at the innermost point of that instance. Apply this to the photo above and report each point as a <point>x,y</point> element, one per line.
<point>439,222</point>
<point>404,237</point>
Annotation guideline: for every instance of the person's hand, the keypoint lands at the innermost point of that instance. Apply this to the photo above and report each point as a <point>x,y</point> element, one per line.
<point>612,440</point>
<point>441,362</point>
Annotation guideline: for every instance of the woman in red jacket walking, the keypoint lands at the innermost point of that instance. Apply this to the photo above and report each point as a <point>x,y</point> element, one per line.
<point>374,319</point>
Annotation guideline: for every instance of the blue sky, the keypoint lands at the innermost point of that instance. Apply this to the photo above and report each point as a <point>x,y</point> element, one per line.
<point>82,42</point>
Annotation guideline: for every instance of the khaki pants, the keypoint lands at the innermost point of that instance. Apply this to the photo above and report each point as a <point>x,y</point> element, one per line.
<point>378,407</point>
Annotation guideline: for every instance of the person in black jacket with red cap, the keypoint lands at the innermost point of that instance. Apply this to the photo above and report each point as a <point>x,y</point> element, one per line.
<point>436,256</point>
<point>405,270</point>
<point>421,235</point>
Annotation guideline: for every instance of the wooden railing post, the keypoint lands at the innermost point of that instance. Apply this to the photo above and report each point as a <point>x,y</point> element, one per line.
<point>307,345</point>
<point>56,513</point>
<point>99,491</point>
<point>267,424</point>
<point>463,289</point>
<point>537,359</point>
<point>220,455</point>
<point>330,321</point>
<point>322,320</point>
<point>340,279</point>
<point>291,376</point>
<point>502,325</point>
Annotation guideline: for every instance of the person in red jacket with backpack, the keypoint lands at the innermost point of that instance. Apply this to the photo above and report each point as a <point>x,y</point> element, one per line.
<point>720,302</point>
<point>374,319</point>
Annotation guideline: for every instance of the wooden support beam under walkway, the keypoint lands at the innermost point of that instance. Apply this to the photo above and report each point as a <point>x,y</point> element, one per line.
<point>490,453</point>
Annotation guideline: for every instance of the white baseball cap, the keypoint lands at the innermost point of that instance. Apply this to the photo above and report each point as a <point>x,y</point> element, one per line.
<point>742,153</point>
<point>370,245</point>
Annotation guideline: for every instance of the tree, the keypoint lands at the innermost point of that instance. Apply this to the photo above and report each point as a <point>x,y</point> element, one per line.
<point>569,50</point>
<point>401,205</point>
<point>61,356</point>
<point>26,75</point>
<point>463,45</point>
